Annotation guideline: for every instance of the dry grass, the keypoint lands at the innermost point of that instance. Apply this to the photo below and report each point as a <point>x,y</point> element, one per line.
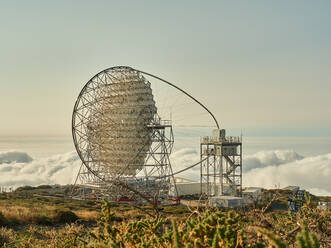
<point>88,215</point>
<point>57,234</point>
<point>37,210</point>
<point>19,214</point>
<point>40,237</point>
<point>6,235</point>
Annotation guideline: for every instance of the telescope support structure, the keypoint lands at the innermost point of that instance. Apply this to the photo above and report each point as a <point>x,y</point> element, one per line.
<point>221,166</point>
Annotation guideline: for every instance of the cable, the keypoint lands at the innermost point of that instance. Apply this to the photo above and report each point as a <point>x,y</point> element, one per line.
<point>180,171</point>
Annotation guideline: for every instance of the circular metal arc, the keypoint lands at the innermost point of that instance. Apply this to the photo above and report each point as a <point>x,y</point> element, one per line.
<point>183,91</point>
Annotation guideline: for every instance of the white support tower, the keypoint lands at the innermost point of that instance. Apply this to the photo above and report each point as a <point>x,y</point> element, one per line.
<point>221,166</point>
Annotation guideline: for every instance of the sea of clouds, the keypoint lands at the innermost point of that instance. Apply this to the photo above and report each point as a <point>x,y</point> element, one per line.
<point>268,169</point>
<point>57,169</point>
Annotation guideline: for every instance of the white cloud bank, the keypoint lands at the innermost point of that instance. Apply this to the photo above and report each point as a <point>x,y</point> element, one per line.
<point>266,158</point>
<point>270,169</point>
<point>57,169</point>
<point>14,156</point>
<point>265,169</point>
<point>311,173</point>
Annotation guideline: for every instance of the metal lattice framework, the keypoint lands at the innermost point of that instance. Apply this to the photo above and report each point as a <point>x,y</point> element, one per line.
<point>110,122</point>
<point>122,142</point>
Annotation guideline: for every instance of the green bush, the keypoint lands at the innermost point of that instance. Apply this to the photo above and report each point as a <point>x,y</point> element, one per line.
<point>3,220</point>
<point>43,220</point>
<point>306,239</point>
<point>43,186</point>
<point>24,188</point>
<point>64,216</point>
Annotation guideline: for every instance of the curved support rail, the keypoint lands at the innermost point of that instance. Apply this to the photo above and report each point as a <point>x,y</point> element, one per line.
<point>183,91</point>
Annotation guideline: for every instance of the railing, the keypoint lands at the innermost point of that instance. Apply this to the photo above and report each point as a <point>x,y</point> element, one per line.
<point>158,121</point>
<point>228,139</point>
<point>166,122</point>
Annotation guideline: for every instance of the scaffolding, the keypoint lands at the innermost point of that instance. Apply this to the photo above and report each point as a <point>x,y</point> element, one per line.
<point>221,166</point>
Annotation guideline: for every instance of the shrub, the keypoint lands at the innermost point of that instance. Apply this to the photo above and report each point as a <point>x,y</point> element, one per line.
<point>65,217</point>
<point>43,220</point>
<point>3,220</point>
<point>306,239</point>
<point>24,188</point>
<point>6,236</point>
<point>44,187</point>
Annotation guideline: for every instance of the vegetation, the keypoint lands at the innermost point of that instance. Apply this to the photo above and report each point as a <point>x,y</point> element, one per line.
<point>23,208</point>
<point>216,228</point>
<point>29,220</point>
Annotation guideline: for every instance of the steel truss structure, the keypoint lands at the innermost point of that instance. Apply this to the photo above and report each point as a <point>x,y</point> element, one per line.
<point>221,166</point>
<point>153,182</point>
<point>122,142</point>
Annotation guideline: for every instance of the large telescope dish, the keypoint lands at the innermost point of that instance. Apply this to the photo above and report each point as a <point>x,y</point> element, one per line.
<point>110,122</point>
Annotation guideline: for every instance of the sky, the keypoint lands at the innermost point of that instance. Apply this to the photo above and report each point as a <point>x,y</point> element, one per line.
<point>259,66</point>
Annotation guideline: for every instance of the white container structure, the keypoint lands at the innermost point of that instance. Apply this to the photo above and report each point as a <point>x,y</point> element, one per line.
<point>188,187</point>
<point>251,194</point>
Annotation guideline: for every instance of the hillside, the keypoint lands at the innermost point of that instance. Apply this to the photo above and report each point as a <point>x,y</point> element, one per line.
<point>32,217</point>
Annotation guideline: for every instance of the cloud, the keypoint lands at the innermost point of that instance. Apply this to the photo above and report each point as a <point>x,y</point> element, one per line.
<point>266,158</point>
<point>183,158</point>
<point>14,156</point>
<point>311,173</point>
<point>57,169</point>
<point>270,169</point>
<point>265,169</point>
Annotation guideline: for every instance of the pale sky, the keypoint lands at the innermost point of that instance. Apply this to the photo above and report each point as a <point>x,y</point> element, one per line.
<point>261,66</point>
